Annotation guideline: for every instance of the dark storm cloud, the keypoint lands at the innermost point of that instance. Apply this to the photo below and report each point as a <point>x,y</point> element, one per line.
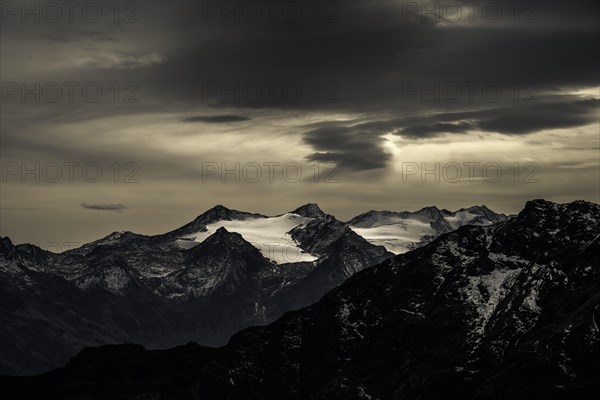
<point>369,49</point>
<point>509,120</point>
<point>360,147</point>
<point>359,61</point>
<point>423,131</point>
<point>349,147</point>
<point>516,121</point>
<point>506,120</point>
<point>370,52</point>
<point>104,207</point>
<point>217,119</point>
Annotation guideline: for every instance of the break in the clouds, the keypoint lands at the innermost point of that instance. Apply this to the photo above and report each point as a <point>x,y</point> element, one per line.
<point>365,85</point>
<point>216,119</point>
<point>111,60</point>
<point>104,207</point>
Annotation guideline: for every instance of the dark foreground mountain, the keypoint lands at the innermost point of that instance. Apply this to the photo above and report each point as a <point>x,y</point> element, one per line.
<point>507,311</point>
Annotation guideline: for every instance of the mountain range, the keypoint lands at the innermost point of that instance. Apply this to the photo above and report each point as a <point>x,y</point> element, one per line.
<point>222,272</point>
<point>503,311</point>
<point>400,232</point>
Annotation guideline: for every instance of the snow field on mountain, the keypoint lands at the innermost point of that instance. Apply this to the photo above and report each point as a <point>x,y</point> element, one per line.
<point>396,234</point>
<point>269,235</point>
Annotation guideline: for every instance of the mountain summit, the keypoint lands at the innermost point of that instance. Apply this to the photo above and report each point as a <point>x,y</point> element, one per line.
<point>310,210</point>
<point>217,213</point>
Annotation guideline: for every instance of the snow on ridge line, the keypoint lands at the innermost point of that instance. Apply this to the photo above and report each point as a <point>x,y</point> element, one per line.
<point>399,236</point>
<point>460,218</point>
<point>269,235</point>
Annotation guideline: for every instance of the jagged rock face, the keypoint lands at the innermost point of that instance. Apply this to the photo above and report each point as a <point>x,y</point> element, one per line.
<point>319,234</point>
<point>507,311</point>
<point>348,253</point>
<point>149,290</point>
<point>310,210</point>
<point>224,264</point>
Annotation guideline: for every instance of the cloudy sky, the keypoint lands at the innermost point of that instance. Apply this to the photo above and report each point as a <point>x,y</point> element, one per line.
<point>143,116</point>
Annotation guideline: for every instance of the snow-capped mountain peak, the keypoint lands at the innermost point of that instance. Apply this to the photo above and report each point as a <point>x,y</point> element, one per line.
<point>269,234</point>
<point>217,213</point>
